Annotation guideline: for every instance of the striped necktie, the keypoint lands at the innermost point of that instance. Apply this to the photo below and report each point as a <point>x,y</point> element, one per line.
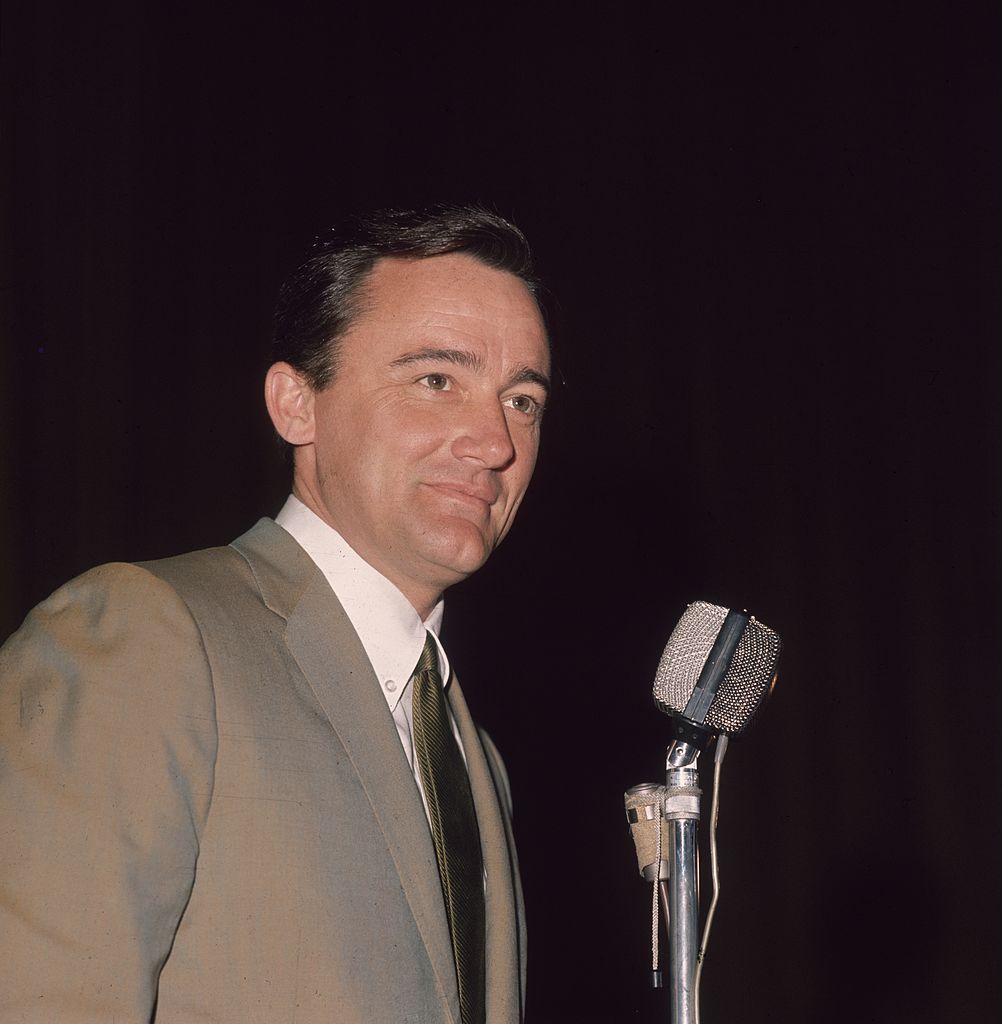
<point>454,831</point>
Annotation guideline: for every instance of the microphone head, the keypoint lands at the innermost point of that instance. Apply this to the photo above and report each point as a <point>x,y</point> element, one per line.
<point>735,652</point>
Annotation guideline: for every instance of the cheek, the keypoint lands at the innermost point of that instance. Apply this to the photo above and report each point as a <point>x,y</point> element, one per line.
<point>415,434</point>
<point>520,473</point>
<point>394,457</point>
<point>527,451</point>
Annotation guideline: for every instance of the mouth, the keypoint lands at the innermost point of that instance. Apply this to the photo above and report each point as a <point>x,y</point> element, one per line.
<point>478,497</point>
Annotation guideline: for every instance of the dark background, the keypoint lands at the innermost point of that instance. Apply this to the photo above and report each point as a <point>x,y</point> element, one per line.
<point>772,242</point>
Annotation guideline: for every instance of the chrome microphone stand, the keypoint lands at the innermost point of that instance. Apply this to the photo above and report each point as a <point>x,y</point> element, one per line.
<point>681,809</point>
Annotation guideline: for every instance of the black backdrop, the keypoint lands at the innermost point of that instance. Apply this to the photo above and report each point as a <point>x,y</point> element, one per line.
<point>772,245</point>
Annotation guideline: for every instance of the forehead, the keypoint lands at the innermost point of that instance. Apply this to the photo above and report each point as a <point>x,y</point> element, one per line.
<point>455,294</point>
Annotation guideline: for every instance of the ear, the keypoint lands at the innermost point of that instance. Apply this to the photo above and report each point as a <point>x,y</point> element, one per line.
<point>290,404</point>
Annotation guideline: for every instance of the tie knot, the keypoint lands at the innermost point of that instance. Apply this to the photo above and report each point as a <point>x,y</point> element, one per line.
<point>428,662</point>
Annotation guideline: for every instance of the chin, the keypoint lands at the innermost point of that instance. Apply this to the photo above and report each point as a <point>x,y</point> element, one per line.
<point>460,553</point>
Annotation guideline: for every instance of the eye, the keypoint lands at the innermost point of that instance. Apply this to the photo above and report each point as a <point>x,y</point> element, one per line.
<point>436,381</point>
<point>526,405</point>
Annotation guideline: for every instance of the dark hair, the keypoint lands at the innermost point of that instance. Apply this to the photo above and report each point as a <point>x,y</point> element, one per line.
<point>321,299</point>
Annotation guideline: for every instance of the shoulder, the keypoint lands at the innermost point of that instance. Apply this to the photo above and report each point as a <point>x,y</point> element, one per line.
<point>105,681</point>
<point>111,631</point>
<point>103,601</point>
<point>146,636</point>
<point>264,571</point>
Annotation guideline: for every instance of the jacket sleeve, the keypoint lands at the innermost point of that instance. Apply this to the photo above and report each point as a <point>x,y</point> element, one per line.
<point>107,744</point>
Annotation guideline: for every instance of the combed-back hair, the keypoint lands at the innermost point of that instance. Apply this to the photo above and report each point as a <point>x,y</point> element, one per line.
<point>322,298</point>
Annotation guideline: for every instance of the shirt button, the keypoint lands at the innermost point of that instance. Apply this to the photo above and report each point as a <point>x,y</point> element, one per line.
<point>391,685</point>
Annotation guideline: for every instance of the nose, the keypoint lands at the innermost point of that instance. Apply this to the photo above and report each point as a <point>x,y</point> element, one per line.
<point>484,435</point>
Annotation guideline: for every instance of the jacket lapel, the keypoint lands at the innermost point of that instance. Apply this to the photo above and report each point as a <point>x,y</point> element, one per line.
<point>326,648</point>
<point>503,935</point>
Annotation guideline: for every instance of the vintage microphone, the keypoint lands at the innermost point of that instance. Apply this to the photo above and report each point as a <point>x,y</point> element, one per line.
<point>717,669</point>
<point>716,672</point>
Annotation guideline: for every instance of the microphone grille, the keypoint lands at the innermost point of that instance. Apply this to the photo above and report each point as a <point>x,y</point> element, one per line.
<point>746,682</point>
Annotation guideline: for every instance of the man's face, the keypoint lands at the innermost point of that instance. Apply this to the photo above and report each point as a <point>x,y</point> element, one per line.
<point>424,444</point>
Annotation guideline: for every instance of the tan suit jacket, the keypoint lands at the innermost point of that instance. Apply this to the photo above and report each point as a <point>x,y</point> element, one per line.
<point>206,813</point>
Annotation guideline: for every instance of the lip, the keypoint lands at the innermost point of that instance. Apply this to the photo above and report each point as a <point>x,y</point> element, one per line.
<point>467,492</point>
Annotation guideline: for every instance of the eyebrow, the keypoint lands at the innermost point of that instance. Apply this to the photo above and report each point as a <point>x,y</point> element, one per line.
<point>471,361</point>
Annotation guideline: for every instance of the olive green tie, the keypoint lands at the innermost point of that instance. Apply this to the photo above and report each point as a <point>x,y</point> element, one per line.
<point>454,830</point>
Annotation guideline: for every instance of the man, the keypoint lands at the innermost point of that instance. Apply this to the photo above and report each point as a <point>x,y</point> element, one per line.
<point>225,793</point>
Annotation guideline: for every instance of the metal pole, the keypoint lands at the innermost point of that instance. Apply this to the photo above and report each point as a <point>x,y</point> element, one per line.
<point>682,809</point>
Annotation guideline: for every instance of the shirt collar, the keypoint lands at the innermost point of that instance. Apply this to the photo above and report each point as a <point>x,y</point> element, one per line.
<point>391,631</point>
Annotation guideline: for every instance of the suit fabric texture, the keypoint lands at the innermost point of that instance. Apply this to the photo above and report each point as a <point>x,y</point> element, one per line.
<point>208,815</point>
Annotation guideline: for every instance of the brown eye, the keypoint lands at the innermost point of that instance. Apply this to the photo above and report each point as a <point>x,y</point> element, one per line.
<point>525,404</point>
<point>436,381</point>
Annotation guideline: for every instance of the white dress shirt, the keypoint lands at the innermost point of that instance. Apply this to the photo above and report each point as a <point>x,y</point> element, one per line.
<point>391,631</point>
